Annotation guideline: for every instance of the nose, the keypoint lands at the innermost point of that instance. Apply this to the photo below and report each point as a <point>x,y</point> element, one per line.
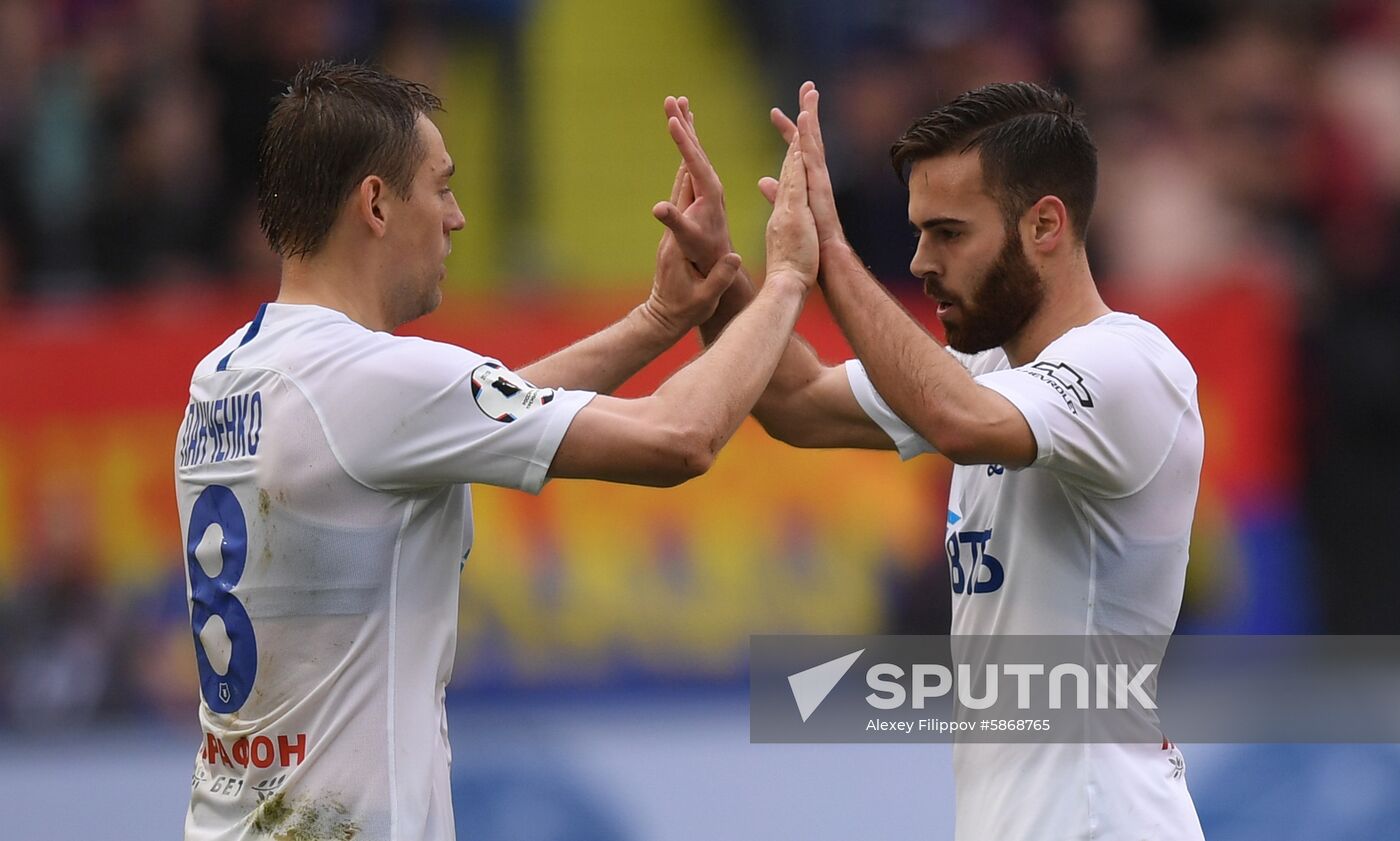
<point>456,221</point>
<point>927,272</point>
<point>924,265</point>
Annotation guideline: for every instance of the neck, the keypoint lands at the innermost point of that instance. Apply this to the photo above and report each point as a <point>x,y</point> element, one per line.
<point>338,283</point>
<point>1071,300</point>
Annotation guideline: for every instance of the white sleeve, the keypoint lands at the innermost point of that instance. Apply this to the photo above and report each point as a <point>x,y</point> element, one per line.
<point>1104,411</point>
<point>413,413</point>
<point>906,440</point>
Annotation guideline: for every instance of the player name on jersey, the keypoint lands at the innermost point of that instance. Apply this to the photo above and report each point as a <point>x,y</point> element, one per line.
<point>217,430</point>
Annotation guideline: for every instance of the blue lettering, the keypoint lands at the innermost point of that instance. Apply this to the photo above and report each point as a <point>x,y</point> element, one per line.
<point>223,429</point>
<point>254,422</point>
<point>979,559</point>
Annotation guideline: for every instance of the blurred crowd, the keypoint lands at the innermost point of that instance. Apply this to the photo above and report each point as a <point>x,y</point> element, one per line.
<point>1239,141</point>
<point>129,128</point>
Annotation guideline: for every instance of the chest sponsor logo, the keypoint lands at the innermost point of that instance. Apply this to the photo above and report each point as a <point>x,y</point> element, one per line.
<point>257,752</point>
<point>974,568</point>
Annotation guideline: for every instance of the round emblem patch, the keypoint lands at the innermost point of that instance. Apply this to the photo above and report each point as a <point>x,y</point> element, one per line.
<point>504,395</point>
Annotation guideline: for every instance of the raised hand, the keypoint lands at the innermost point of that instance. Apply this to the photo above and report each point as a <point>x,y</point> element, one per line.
<point>698,222</point>
<point>821,196</point>
<point>792,232</point>
<point>682,295</point>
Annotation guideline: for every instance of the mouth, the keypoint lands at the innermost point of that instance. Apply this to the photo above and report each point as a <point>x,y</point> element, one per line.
<point>945,303</point>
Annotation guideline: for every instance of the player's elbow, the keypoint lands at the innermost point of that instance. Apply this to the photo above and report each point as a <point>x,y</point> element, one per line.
<point>778,428</point>
<point>784,420</point>
<point>793,434</point>
<point>985,440</point>
<point>960,449</point>
<point>686,453</point>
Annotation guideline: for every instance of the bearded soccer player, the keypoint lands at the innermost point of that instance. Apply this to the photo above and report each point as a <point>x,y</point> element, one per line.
<point>322,467</point>
<point>1074,429</point>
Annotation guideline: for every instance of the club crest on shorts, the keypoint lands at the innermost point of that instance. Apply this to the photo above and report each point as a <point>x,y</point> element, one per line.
<point>504,395</point>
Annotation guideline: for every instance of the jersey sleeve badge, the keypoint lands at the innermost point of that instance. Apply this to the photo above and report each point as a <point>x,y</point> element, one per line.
<point>505,396</point>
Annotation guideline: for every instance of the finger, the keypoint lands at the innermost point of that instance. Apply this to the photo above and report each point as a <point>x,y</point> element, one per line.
<point>674,219</point>
<point>676,185</point>
<point>687,116</point>
<point>820,194</point>
<point>702,175</point>
<point>806,139</point>
<point>724,272</point>
<point>687,196</point>
<point>679,107</point>
<point>808,85</point>
<point>787,128</point>
<point>810,101</point>
<point>792,186</point>
<point>768,186</point>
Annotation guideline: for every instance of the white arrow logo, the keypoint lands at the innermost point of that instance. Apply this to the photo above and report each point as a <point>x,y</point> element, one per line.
<point>810,687</point>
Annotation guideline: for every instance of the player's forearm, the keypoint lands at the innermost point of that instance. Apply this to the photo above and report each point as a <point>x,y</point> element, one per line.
<point>738,296</point>
<point>797,367</point>
<point>920,380</point>
<point>608,358</point>
<point>716,391</point>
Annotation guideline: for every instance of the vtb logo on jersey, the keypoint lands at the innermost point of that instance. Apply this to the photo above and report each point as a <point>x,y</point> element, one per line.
<point>974,569</point>
<point>504,395</point>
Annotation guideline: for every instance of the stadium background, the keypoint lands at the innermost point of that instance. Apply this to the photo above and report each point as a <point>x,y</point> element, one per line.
<point>1250,205</point>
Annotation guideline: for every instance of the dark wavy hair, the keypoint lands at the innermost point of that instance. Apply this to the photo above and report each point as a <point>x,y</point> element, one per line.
<point>1032,144</point>
<point>335,125</point>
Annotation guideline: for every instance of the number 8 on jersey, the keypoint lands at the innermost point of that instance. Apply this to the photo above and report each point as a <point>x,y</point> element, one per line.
<point>213,597</point>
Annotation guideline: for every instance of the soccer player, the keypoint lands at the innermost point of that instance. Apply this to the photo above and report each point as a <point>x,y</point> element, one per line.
<point>323,463</point>
<point>1074,429</point>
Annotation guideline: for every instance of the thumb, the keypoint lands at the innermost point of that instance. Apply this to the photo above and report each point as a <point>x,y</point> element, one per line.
<point>664,211</point>
<point>768,186</point>
<point>724,271</point>
<point>672,217</point>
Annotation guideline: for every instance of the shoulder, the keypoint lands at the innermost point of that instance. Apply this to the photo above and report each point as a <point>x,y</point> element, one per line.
<point>1123,343</point>
<point>327,354</point>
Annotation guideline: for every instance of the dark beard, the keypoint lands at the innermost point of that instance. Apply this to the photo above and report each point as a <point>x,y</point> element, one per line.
<point>1010,293</point>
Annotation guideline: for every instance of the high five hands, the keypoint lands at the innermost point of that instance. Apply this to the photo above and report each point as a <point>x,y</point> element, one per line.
<point>697,221</point>
<point>697,225</point>
<point>685,293</point>
<point>807,131</point>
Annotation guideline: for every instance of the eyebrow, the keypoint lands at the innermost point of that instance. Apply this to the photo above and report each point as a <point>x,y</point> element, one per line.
<point>936,221</point>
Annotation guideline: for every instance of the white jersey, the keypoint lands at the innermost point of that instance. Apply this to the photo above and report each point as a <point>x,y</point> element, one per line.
<point>320,472</point>
<point>1091,539</point>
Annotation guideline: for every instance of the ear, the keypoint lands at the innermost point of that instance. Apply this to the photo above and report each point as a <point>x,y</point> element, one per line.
<point>370,205</point>
<point>1046,225</point>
